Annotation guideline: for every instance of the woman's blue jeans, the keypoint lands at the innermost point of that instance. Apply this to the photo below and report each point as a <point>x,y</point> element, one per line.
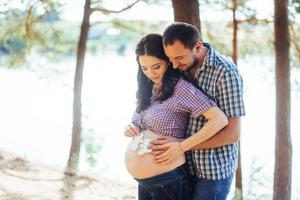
<point>172,185</point>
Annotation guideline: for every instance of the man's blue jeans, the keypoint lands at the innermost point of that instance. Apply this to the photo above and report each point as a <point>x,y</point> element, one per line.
<point>173,185</point>
<point>212,189</point>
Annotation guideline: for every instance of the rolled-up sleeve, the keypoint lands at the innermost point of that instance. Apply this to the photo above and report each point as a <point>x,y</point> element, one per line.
<point>230,94</point>
<point>137,121</point>
<point>192,100</point>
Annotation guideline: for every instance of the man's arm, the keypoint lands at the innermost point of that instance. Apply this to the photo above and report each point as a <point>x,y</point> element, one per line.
<point>228,135</point>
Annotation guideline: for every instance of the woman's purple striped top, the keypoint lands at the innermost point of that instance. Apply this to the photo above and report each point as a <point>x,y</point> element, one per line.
<point>170,117</point>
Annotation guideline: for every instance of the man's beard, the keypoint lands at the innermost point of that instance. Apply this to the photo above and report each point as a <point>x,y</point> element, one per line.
<point>194,63</point>
<point>189,72</point>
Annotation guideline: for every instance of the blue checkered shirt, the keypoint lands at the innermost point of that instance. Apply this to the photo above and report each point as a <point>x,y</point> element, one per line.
<point>220,79</point>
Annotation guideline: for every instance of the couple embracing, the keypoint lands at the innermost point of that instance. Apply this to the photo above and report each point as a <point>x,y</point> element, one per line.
<point>186,125</point>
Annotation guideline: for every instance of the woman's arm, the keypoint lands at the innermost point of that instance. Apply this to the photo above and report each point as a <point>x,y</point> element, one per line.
<point>228,135</point>
<point>131,130</point>
<point>216,120</point>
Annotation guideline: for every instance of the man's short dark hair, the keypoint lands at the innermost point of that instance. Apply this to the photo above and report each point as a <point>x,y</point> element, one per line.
<point>187,34</point>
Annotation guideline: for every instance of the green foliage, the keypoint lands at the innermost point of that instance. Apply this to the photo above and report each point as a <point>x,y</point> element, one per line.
<point>119,36</point>
<point>237,194</point>
<point>29,31</point>
<point>28,25</point>
<point>242,9</point>
<point>252,39</point>
<point>45,34</point>
<point>55,41</point>
<point>258,185</point>
<point>295,45</point>
<point>16,47</point>
<point>296,5</point>
<point>14,44</point>
<point>131,32</point>
<point>256,39</point>
<point>91,148</point>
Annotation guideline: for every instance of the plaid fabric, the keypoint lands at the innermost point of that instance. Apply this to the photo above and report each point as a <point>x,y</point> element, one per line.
<point>221,81</point>
<point>170,117</point>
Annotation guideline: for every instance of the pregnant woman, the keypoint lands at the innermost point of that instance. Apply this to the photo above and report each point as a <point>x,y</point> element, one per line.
<point>164,103</point>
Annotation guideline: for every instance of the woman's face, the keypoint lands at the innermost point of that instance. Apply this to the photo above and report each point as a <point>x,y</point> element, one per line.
<point>153,68</point>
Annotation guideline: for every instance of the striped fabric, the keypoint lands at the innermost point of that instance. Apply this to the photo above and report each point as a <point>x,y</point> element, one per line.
<point>221,81</point>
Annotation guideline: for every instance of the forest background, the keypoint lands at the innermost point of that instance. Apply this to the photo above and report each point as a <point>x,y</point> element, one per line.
<point>66,104</point>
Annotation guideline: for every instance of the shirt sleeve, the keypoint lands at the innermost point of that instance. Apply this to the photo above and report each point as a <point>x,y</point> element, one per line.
<point>192,100</point>
<point>230,94</point>
<point>137,121</point>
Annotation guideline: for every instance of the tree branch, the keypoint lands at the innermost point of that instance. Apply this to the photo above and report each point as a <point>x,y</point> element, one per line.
<point>28,22</point>
<point>254,20</point>
<point>99,22</point>
<point>96,1</point>
<point>107,11</point>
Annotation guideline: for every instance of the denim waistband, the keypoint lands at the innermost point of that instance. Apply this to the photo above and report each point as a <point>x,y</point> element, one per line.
<point>166,177</point>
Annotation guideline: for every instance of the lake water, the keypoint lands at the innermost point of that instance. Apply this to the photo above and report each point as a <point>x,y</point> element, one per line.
<point>36,114</point>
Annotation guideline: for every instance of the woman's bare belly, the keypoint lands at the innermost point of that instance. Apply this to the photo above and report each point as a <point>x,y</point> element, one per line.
<point>144,166</point>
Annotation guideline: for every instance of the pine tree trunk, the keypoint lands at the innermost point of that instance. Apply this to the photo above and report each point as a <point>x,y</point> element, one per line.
<point>235,30</point>
<point>187,11</point>
<point>238,177</point>
<point>283,146</point>
<point>76,130</point>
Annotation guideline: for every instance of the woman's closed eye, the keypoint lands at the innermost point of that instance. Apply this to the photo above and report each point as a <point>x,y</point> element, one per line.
<point>156,67</point>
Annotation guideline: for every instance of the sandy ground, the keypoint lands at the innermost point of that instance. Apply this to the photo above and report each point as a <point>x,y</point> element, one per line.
<point>22,180</point>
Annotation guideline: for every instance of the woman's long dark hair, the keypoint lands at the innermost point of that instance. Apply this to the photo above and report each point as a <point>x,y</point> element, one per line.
<point>152,45</point>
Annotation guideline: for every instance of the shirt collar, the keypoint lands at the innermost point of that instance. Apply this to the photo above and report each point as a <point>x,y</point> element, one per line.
<point>210,58</point>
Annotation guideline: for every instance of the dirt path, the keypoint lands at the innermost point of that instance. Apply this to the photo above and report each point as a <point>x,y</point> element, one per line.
<point>22,180</point>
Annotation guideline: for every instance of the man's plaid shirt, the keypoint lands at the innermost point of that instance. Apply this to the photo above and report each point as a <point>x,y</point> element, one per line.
<point>221,81</point>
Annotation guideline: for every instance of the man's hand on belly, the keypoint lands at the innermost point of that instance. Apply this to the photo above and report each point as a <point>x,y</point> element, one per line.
<point>173,152</point>
<point>158,147</point>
